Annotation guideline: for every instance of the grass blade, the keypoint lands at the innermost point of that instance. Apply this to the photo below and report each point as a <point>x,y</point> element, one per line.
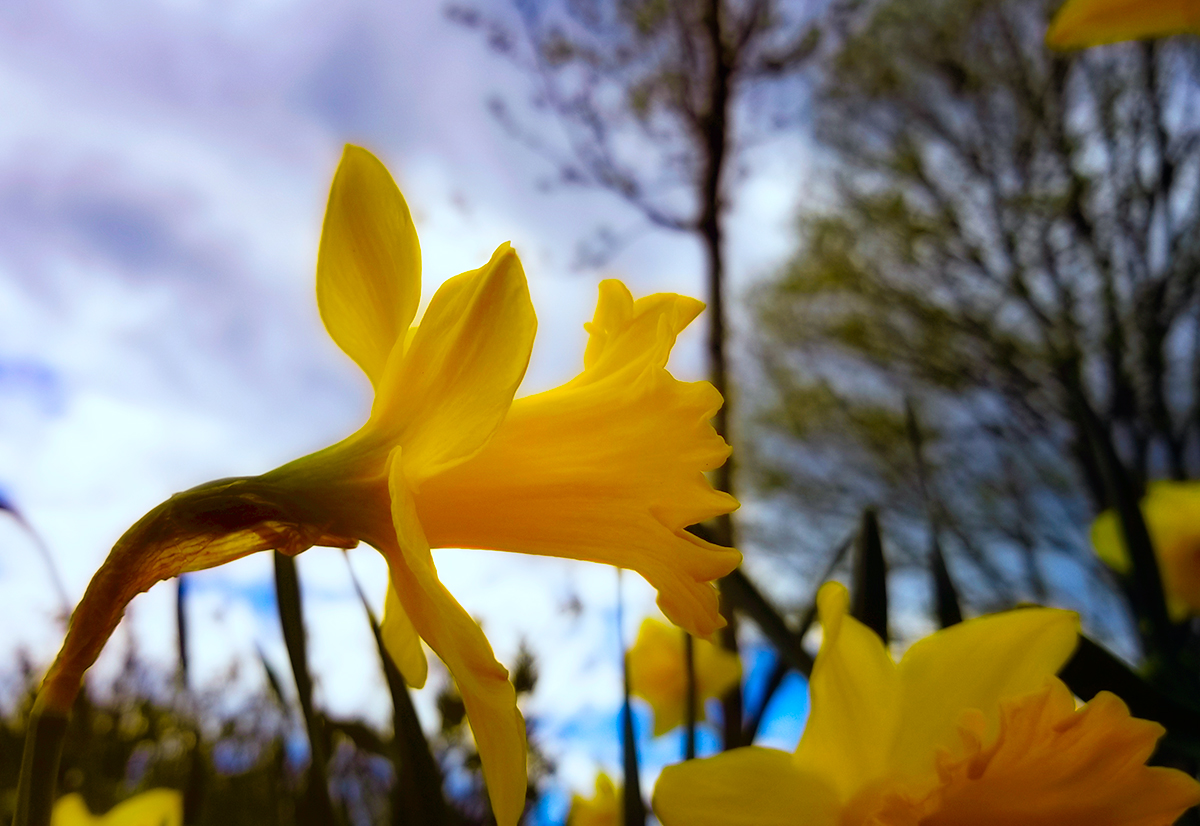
<point>689,727</point>
<point>318,808</point>
<point>181,633</point>
<point>417,798</point>
<point>868,588</point>
<point>949,610</point>
<point>746,597</point>
<point>634,806</point>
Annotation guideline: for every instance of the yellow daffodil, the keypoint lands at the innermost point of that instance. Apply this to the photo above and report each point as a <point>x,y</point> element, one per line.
<point>159,807</point>
<point>658,673</point>
<point>1082,23</point>
<point>608,468</point>
<point>1172,514</point>
<point>970,728</point>
<point>601,809</point>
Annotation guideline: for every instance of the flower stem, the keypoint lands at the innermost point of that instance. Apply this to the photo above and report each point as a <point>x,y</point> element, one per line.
<point>689,728</point>
<point>39,766</point>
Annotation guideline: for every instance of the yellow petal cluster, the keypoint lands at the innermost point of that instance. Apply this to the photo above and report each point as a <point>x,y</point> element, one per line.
<point>658,673</point>
<point>158,807</point>
<point>1172,514</point>
<point>601,809</point>
<point>609,467</point>
<point>1082,23</point>
<point>970,728</point>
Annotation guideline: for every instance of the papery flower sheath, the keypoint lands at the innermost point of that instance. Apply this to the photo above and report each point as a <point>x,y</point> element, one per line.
<point>601,809</point>
<point>970,728</point>
<point>1082,23</point>
<point>1172,514</point>
<point>608,468</point>
<point>158,807</point>
<point>658,673</point>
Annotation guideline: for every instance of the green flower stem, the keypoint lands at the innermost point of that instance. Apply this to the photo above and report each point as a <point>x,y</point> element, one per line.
<point>39,766</point>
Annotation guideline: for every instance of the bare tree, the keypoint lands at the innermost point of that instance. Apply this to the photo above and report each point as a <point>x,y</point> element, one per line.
<point>653,101</point>
<point>1012,244</point>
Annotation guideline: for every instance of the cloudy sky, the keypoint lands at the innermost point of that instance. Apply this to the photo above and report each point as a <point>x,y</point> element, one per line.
<point>163,172</point>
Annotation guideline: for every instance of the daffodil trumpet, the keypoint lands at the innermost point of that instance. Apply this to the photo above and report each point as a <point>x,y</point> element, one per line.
<point>606,468</point>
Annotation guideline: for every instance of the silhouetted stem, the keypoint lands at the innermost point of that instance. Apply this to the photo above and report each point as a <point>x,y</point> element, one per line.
<point>39,766</point>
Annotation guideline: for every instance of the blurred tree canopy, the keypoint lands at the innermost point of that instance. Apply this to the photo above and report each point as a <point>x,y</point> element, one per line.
<point>1006,241</point>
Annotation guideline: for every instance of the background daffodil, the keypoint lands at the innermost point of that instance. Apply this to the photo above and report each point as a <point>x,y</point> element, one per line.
<point>609,467</point>
<point>1081,23</point>
<point>601,809</point>
<point>158,807</point>
<point>970,727</point>
<point>1172,514</point>
<point>658,673</point>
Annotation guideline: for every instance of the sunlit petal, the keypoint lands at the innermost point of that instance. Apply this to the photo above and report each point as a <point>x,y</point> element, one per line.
<point>744,787</point>
<point>369,263</point>
<point>402,641</point>
<point>626,335</point>
<point>855,696</point>
<point>457,379</point>
<point>488,696</point>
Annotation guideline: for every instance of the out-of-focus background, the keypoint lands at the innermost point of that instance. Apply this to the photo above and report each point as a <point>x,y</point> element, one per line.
<point>163,174</point>
<point>927,223</point>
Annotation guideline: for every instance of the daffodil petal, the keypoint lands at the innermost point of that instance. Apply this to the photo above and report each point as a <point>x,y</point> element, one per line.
<point>854,695</point>
<point>1170,509</point>
<point>489,697</point>
<point>974,665</point>
<point>71,810</point>
<point>369,262</point>
<point>1081,23</point>
<point>607,468</point>
<point>625,333</point>
<point>1108,542</point>
<point>402,642</point>
<point>462,368</point>
<point>745,787</point>
<point>157,807</point>
<point>1054,766</point>
<point>717,669</point>
<point>602,809</point>
<point>658,672</point>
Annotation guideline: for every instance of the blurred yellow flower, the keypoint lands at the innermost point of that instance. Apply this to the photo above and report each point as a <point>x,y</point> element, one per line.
<point>1172,514</point>
<point>658,673</point>
<point>158,807</point>
<point>601,809</point>
<point>1082,23</point>
<point>608,468</point>
<point>970,727</point>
